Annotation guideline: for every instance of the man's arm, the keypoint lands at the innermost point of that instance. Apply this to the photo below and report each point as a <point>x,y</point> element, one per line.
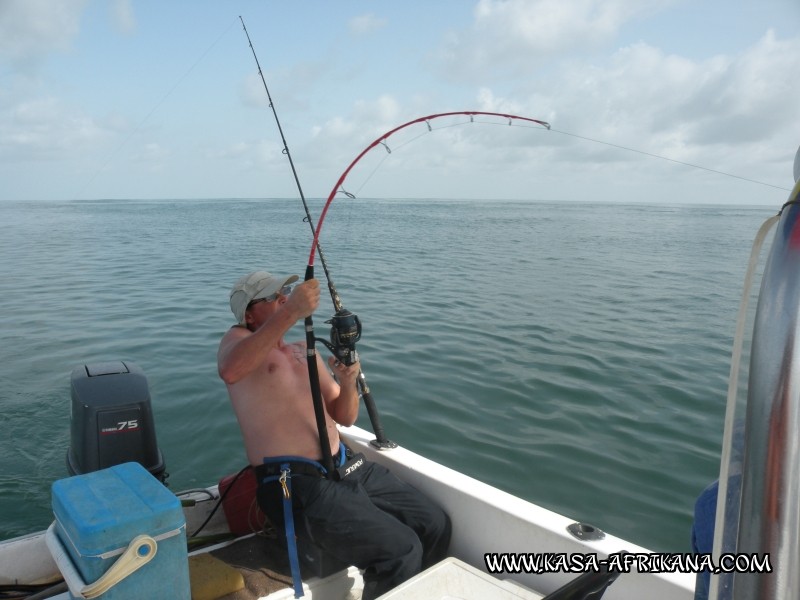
<point>341,398</point>
<point>242,351</point>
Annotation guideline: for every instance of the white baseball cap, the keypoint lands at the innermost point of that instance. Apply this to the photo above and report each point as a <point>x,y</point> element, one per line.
<point>254,286</point>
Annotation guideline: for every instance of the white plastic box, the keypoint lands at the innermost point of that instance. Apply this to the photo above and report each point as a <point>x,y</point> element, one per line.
<point>453,579</point>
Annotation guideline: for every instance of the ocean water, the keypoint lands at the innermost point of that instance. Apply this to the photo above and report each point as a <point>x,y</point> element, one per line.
<point>574,354</point>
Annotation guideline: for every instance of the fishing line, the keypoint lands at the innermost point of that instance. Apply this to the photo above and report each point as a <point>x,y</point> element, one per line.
<point>380,164</point>
<point>680,162</point>
<point>575,135</point>
<point>158,104</point>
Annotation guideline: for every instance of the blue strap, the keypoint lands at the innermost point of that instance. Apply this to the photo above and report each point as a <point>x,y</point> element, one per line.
<point>288,521</point>
<point>291,458</point>
<point>271,460</point>
<point>288,514</point>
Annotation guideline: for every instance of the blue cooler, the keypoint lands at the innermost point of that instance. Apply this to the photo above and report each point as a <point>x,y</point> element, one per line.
<point>123,521</point>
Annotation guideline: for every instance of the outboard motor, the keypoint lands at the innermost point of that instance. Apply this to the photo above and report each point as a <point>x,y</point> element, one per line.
<point>111,421</point>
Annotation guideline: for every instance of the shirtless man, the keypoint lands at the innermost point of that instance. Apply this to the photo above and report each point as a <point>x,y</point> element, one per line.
<point>369,519</point>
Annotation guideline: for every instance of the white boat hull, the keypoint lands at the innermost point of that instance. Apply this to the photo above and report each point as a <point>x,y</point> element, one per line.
<point>485,520</point>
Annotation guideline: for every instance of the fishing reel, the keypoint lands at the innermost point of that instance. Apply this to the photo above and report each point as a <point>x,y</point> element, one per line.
<point>345,332</point>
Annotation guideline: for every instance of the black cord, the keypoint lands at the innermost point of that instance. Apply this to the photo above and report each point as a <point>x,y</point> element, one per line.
<point>221,498</point>
<point>790,202</point>
<point>32,592</point>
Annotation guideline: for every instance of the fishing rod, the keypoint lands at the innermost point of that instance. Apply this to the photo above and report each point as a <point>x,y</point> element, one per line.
<point>381,140</point>
<point>338,187</point>
<point>345,326</point>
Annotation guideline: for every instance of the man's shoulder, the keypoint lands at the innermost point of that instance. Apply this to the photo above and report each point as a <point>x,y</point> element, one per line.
<point>236,332</point>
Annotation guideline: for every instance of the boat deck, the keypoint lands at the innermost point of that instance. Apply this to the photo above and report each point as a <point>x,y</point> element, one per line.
<point>260,556</point>
<point>262,562</point>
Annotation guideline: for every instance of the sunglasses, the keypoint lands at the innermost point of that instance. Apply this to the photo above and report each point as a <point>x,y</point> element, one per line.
<point>284,291</point>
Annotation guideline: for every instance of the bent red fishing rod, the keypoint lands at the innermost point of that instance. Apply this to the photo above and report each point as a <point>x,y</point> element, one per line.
<point>344,323</point>
<point>382,141</point>
<point>345,326</point>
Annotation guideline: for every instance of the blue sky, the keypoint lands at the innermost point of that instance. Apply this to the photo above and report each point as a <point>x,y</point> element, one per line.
<point>148,99</point>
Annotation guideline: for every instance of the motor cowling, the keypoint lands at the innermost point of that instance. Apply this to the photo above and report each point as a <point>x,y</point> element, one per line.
<point>111,419</point>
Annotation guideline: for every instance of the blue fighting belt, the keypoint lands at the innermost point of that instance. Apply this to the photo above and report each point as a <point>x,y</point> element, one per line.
<point>285,479</point>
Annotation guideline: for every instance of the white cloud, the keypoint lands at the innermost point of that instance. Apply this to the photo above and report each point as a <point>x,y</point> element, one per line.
<point>35,126</point>
<point>735,114</point>
<point>513,36</point>
<point>385,110</point>
<point>732,112</point>
<point>687,106</point>
<point>234,151</point>
<point>337,141</point>
<point>30,29</point>
<point>46,129</point>
<point>367,120</point>
<point>251,92</point>
<point>123,17</point>
<point>366,24</point>
<point>290,88</point>
<point>250,156</point>
<point>488,102</point>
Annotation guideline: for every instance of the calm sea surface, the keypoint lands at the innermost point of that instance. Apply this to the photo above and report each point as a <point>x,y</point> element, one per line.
<point>576,355</point>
